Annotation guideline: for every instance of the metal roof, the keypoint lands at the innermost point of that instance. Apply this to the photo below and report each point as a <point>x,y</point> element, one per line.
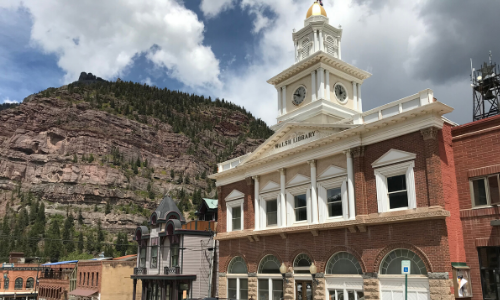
<point>211,203</point>
<point>61,263</point>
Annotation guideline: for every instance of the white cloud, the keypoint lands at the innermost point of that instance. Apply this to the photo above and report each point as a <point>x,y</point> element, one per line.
<point>7,100</point>
<point>211,8</point>
<point>103,37</point>
<point>148,81</point>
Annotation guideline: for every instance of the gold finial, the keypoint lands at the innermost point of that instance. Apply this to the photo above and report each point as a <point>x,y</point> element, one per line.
<point>315,10</point>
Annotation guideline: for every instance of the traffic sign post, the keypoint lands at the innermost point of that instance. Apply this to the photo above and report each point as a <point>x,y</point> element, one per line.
<point>406,269</point>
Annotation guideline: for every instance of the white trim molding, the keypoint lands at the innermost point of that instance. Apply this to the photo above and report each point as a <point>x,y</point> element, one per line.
<point>229,212</point>
<point>381,175</point>
<point>270,186</point>
<point>235,194</point>
<point>332,171</point>
<point>393,156</point>
<point>323,186</point>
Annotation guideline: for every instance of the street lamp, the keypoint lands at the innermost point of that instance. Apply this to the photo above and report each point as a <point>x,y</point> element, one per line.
<point>313,271</point>
<point>283,271</point>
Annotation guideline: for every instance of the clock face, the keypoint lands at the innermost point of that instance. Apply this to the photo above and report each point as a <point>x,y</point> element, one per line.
<point>299,95</point>
<point>340,93</point>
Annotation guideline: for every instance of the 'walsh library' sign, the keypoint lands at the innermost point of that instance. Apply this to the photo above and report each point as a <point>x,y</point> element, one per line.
<point>295,139</point>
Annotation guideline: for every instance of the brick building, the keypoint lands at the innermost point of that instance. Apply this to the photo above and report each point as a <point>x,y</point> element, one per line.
<point>104,279</point>
<point>339,193</point>
<point>54,280</point>
<point>476,146</point>
<point>18,278</point>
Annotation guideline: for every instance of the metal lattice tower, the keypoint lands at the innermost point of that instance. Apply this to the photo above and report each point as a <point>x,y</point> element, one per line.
<point>485,91</point>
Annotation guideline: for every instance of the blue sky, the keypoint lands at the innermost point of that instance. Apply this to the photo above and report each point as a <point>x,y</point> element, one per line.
<point>229,48</point>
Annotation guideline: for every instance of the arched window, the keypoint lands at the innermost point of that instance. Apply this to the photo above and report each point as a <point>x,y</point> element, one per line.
<point>30,283</point>
<point>237,282</point>
<point>302,263</point>
<point>18,284</point>
<point>6,284</point>
<point>269,285</point>
<point>269,265</point>
<point>343,263</point>
<point>391,264</point>
<point>331,46</point>
<point>237,266</point>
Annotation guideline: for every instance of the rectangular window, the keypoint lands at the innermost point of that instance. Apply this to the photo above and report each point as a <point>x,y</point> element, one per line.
<point>272,212</point>
<point>485,191</point>
<point>232,290</point>
<point>154,257</point>
<point>174,256</point>
<point>334,199</point>
<point>263,289</point>
<point>277,289</point>
<point>92,279</point>
<point>80,277</point>
<point>236,215</point>
<point>97,279</point>
<point>300,207</point>
<point>243,288</point>
<point>396,191</point>
<point>341,295</point>
<point>142,259</point>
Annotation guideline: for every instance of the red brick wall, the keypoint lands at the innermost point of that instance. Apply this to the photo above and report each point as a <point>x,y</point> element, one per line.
<point>429,237</point>
<point>90,268</point>
<point>366,190</point>
<point>247,188</point>
<point>476,145</point>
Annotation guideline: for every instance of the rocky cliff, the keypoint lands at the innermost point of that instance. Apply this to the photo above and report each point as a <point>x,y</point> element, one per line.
<point>93,144</point>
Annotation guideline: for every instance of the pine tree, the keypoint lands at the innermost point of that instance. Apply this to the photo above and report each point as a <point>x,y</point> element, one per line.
<point>90,246</point>
<point>53,244</point>
<point>91,158</point>
<point>80,217</point>
<point>75,158</point>
<point>186,179</point>
<point>172,174</point>
<point>107,210</point>
<point>80,242</point>
<point>40,217</point>
<point>66,235</point>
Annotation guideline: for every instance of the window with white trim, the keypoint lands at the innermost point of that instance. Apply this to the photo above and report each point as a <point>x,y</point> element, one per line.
<point>343,294</point>
<point>272,212</point>
<point>235,215</point>
<point>333,200</point>
<point>396,187</point>
<point>485,190</point>
<point>270,284</point>
<point>300,207</point>
<point>237,282</point>
<point>142,257</point>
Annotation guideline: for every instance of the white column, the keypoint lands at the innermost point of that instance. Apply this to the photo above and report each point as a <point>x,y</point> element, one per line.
<point>340,53</point>
<point>278,90</point>
<point>360,103</point>
<point>316,41</point>
<point>321,81</point>
<point>350,185</point>
<point>314,192</point>
<point>354,96</point>
<point>256,201</point>
<point>313,86</point>
<point>295,44</point>
<point>321,46</point>
<point>327,84</point>
<point>282,212</point>
<point>283,99</point>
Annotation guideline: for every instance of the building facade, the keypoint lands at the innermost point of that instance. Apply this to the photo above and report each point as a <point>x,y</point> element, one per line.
<point>104,279</point>
<point>207,210</point>
<point>176,258</point>
<point>339,193</point>
<point>18,278</point>
<point>476,146</point>
<point>54,280</point>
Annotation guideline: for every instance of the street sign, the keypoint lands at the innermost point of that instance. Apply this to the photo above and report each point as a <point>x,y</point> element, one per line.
<point>405,267</point>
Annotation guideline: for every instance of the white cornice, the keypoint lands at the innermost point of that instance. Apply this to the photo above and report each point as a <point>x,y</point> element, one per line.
<point>319,56</point>
<point>317,107</point>
<point>398,125</point>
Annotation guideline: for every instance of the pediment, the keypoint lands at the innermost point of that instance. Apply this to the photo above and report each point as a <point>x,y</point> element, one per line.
<point>235,194</point>
<point>393,156</point>
<point>299,179</point>
<point>333,171</point>
<point>271,185</point>
<point>292,136</point>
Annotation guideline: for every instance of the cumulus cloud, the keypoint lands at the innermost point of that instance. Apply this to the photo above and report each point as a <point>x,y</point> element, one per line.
<point>7,100</point>
<point>104,37</point>
<point>211,8</point>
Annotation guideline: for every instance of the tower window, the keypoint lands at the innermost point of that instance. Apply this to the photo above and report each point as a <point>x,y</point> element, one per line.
<point>331,46</point>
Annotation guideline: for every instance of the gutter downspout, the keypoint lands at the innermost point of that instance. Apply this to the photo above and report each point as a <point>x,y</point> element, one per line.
<point>210,282</point>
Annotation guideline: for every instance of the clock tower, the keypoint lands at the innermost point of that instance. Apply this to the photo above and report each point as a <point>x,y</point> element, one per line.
<point>319,87</point>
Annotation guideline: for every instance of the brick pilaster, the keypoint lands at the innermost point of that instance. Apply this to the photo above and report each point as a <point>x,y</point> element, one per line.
<point>358,154</point>
<point>433,166</point>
